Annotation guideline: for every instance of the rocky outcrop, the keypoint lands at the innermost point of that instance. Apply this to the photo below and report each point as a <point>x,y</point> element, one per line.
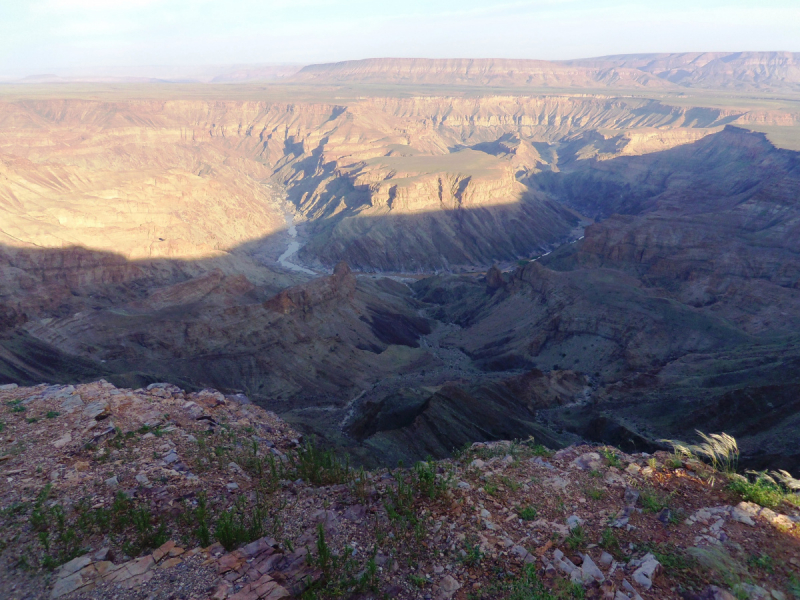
<point>209,496</point>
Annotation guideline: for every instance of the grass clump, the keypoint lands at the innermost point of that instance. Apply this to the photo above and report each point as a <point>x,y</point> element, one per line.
<point>241,524</point>
<point>320,467</point>
<point>576,538</point>
<point>471,554</point>
<point>762,561</point>
<point>595,493</point>
<point>720,450</point>
<point>794,585</point>
<point>425,481</point>
<point>528,513</point>
<point>609,541</point>
<point>653,501</point>
<point>723,567</point>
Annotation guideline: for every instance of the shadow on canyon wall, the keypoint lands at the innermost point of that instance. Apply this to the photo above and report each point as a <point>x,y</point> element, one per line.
<point>682,312</point>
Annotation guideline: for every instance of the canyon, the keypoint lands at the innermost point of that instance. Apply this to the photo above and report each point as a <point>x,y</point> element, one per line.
<point>402,257</point>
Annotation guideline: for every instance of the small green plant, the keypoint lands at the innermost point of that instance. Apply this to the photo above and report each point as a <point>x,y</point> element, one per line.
<point>369,579</point>
<point>762,561</point>
<point>672,558</point>
<point>360,484</point>
<point>17,409</point>
<point>490,487</point>
<point>51,414</point>
<point>417,580</point>
<point>609,541</point>
<point>425,481</point>
<point>595,493</point>
<point>324,554</point>
<point>611,458</point>
<point>794,585</point>
<point>721,564</point>
<point>149,536</point>
<point>652,501</point>
<point>200,516</point>
<point>537,449</point>
<point>528,513</point>
<point>528,586</point>
<point>471,555</point>
<point>673,462</point>
<point>576,538</point>
<point>241,524</point>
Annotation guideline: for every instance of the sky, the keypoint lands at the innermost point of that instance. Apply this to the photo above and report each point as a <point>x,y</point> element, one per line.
<point>55,36</point>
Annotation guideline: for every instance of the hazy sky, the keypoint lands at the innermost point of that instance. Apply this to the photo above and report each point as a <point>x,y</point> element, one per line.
<point>38,36</point>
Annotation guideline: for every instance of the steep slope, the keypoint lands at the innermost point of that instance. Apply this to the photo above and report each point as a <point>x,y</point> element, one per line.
<point>680,309</point>
<point>191,179</point>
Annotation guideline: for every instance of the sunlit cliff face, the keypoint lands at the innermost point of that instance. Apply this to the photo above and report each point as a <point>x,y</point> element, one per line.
<point>190,179</point>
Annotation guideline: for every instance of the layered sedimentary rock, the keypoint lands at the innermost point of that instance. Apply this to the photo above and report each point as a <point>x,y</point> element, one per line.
<point>710,70</point>
<point>184,179</point>
<point>720,70</point>
<point>494,72</point>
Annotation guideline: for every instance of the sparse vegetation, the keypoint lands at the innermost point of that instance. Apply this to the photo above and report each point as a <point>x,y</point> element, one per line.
<point>527,513</point>
<point>528,586</point>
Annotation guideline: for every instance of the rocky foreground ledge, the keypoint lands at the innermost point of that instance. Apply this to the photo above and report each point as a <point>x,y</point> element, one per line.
<point>162,494</point>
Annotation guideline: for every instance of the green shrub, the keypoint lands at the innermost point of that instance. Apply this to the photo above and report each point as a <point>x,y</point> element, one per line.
<point>762,490</point>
